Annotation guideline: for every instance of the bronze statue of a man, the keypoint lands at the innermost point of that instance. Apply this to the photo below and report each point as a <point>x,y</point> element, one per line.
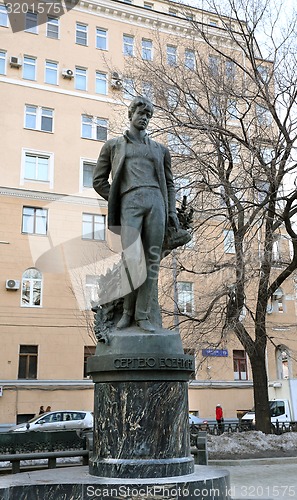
<point>141,199</point>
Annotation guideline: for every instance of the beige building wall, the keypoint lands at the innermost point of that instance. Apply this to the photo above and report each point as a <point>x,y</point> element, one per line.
<point>60,327</point>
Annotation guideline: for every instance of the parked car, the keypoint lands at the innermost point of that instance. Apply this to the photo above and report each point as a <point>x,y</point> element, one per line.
<point>57,420</point>
<point>202,422</point>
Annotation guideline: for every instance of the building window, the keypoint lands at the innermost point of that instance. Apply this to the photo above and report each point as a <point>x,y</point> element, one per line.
<point>183,187</point>
<point>29,68</point>
<point>215,108</point>
<point>88,173</point>
<point>214,64</point>
<point>81,34</point>
<point>101,83</point>
<point>147,49</point>
<point>190,59</point>
<point>31,288</point>
<point>91,290</point>
<point>232,112</point>
<point>94,128</point>
<point>264,73</point>
<point>38,118</point>
<point>278,300</point>
<point>52,27</point>
<point>51,72</point>
<point>148,90</point>
<point>172,98</point>
<point>263,115</point>
<point>180,145</point>
<point>185,297</point>
<point>101,39</point>
<point>2,62</point>
<point>93,227</point>
<point>80,78</point>
<point>230,70</point>
<point>283,362</point>
<point>128,88</point>
<point>31,22</point>
<point>36,167</point>
<point>3,16</point>
<point>171,52</point>
<point>28,358</point>
<point>229,243</point>
<point>240,365</point>
<point>34,220</point>
<point>235,152</point>
<point>128,45</point>
<point>89,350</point>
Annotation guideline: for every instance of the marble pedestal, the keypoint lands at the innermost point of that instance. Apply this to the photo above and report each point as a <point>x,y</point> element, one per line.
<point>141,425</point>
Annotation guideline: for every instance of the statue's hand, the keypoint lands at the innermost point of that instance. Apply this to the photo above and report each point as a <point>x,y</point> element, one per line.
<point>173,220</point>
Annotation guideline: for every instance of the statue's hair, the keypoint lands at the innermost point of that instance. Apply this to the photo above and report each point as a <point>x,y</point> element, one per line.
<point>142,102</point>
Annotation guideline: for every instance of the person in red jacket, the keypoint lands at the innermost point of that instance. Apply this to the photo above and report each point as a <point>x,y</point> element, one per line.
<point>219,418</point>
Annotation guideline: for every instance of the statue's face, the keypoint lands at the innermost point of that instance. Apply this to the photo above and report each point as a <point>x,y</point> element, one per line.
<point>141,117</point>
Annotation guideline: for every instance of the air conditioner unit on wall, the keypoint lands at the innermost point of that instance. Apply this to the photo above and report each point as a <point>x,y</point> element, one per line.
<point>15,62</point>
<point>12,284</point>
<point>116,84</point>
<point>67,73</point>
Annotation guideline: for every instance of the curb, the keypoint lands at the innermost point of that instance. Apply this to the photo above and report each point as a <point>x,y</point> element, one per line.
<point>254,461</point>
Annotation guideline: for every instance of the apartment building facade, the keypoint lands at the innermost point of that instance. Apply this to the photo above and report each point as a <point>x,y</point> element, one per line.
<point>63,94</point>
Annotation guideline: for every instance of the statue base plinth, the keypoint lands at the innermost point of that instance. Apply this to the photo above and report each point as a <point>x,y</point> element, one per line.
<point>141,420</point>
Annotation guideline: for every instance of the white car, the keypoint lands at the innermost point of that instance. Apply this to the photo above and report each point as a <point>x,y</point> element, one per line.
<point>57,420</point>
<point>197,421</point>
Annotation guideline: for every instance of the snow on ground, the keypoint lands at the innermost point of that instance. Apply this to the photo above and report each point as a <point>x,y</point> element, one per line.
<point>251,443</point>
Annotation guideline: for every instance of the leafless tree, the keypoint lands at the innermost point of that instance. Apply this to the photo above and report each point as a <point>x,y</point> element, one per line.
<point>225,101</point>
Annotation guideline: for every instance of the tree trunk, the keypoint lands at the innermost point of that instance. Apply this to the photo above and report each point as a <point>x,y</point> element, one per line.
<point>262,410</point>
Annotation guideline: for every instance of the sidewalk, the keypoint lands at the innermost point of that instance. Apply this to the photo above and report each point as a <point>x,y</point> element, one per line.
<point>266,479</point>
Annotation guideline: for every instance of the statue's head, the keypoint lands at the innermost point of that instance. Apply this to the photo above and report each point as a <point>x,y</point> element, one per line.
<point>142,102</point>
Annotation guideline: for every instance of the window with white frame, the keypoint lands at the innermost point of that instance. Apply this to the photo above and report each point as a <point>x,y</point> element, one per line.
<point>263,115</point>
<point>147,49</point>
<point>215,107</point>
<point>190,59</point>
<point>31,22</point>
<point>267,154</point>
<point>278,301</point>
<point>38,118</point>
<point>191,102</point>
<point>283,362</point>
<point>148,90</point>
<point>91,290</point>
<point>263,72</point>
<point>214,65</point>
<point>3,16</point>
<point>52,27</point>
<point>34,220</point>
<point>179,144</point>
<point>37,166</point>
<point>81,34</point>
<point>88,168</point>
<point>94,128</point>
<point>80,78</point>
<point>232,112</point>
<point>51,72</point>
<point>2,62</point>
<point>230,70</point>
<point>31,288</point>
<point>101,83</point>
<point>185,297</point>
<point>229,242</point>
<point>93,227</point>
<point>262,190</point>
<point>240,365</point>
<point>128,45</point>
<point>128,88</point>
<point>29,68</point>
<point>183,188</point>
<point>101,39</point>
<point>171,52</point>
<point>172,98</point>
<point>235,152</point>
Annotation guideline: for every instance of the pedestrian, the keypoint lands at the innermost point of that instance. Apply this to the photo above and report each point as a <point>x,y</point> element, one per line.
<point>141,201</point>
<point>48,408</point>
<point>41,410</point>
<point>220,418</point>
